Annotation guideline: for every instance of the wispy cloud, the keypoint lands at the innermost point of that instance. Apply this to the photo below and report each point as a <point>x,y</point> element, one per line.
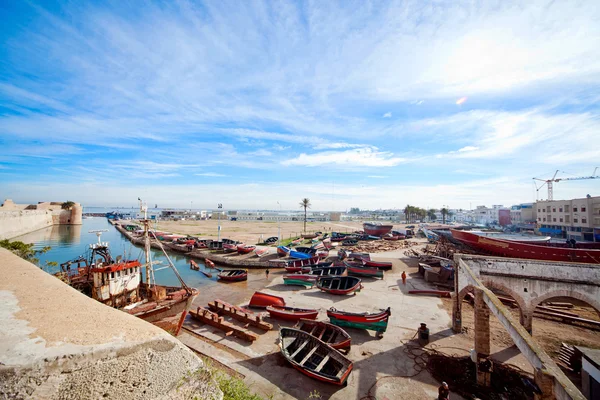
<point>387,115</point>
<point>211,174</point>
<point>363,157</point>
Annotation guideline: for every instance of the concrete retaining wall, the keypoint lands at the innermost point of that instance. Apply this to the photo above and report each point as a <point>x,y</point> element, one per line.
<point>16,223</point>
<point>57,343</point>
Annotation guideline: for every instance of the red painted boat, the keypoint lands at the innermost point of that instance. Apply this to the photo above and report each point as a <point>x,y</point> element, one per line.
<point>261,252</point>
<point>291,313</point>
<point>209,263</point>
<point>359,270</point>
<point>229,247</point>
<point>376,229</point>
<point>508,248</point>
<point>303,269</point>
<point>313,357</point>
<point>293,263</point>
<point>244,249</point>
<point>339,285</point>
<point>262,300</point>
<point>233,275</point>
<point>331,334</point>
<point>392,238</point>
<point>373,321</point>
<point>283,251</point>
<point>383,265</point>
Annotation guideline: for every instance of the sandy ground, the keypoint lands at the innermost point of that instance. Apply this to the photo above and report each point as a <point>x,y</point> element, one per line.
<point>253,232</point>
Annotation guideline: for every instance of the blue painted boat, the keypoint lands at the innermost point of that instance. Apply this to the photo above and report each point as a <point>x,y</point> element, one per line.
<point>300,255</point>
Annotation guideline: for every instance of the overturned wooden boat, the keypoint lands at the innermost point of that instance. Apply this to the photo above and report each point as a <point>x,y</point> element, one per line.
<point>262,300</point>
<point>300,255</point>
<point>331,334</point>
<point>245,249</point>
<point>339,285</point>
<point>313,357</point>
<point>230,247</point>
<point>291,313</point>
<point>382,265</point>
<point>377,321</point>
<point>194,266</point>
<point>233,275</point>
<point>305,280</point>
<point>359,270</point>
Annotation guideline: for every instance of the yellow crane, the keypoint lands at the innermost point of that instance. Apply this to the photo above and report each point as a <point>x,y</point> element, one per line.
<point>549,182</point>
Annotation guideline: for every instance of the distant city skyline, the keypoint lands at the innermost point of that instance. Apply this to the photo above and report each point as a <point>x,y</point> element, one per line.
<point>350,104</point>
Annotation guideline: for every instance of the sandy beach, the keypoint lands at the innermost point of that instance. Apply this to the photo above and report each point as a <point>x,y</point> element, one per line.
<point>251,232</point>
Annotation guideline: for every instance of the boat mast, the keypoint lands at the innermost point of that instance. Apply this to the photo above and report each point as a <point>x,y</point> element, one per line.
<point>144,209</point>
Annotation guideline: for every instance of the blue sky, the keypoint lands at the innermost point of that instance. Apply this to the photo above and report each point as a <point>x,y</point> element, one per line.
<point>247,103</point>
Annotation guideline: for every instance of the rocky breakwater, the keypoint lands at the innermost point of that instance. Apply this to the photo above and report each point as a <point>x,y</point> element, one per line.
<point>57,343</point>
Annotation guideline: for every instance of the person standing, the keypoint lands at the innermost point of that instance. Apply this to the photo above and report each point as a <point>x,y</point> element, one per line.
<point>267,273</point>
<point>404,277</point>
<point>444,392</point>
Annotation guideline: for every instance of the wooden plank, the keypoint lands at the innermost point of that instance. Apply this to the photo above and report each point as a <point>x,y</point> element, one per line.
<point>206,316</point>
<point>299,349</point>
<point>310,353</point>
<point>239,314</point>
<point>322,363</point>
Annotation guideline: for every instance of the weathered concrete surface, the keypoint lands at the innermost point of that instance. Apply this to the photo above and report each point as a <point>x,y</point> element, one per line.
<point>269,375</point>
<point>548,376</point>
<point>57,343</point>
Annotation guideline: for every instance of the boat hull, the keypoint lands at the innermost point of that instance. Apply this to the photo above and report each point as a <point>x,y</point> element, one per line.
<point>331,334</point>
<point>376,229</point>
<point>339,285</point>
<point>262,300</point>
<point>382,265</point>
<point>291,314</point>
<point>372,321</point>
<point>365,272</point>
<point>169,315</point>
<point>507,248</point>
<point>300,280</point>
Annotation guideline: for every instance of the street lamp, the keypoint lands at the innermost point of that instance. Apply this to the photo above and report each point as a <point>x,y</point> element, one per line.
<point>219,206</point>
<point>279,226</point>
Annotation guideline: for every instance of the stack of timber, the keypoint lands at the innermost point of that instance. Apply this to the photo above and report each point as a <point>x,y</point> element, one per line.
<point>570,357</point>
<point>238,313</point>
<point>208,317</point>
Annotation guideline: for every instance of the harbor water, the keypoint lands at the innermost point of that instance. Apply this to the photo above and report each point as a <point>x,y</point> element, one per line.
<point>68,242</point>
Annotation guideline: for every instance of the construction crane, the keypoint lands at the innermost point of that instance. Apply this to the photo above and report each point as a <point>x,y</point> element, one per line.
<point>549,182</point>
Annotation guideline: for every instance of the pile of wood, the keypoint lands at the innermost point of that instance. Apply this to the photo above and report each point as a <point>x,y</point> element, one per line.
<point>570,357</point>
<point>378,246</point>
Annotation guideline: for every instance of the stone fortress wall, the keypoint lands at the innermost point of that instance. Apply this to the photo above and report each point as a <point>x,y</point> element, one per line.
<point>19,219</point>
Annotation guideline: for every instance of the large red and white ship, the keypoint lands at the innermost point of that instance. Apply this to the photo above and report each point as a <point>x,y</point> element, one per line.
<point>578,252</point>
<point>119,284</point>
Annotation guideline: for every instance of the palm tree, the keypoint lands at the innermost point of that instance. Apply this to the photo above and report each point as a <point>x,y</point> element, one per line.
<point>431,214</point>
<point>306,204</point>
<point>408,210</point>
<point>444,212</point>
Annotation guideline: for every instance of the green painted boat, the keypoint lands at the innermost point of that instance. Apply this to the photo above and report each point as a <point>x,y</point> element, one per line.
<point>372,321</point>
<point>380,326</point>
<point>291,280</point>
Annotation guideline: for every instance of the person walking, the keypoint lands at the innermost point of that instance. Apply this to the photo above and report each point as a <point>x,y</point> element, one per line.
<point>267,273</point>
<point>444,392</point>
<point>404,277</point>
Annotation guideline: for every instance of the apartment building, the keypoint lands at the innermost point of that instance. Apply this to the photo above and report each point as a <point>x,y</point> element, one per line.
<point>569,219</point>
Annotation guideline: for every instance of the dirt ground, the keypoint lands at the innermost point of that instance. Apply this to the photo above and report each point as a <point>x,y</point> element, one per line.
<point>252,232</point>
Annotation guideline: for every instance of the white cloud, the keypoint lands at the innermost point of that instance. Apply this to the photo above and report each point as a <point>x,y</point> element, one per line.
<point>376,176</point>
<point>363,157</point>
<point>211,174</point>
<point>387,115</point>
<point>468,148</point>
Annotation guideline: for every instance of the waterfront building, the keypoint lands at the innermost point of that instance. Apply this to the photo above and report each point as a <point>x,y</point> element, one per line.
<point>577,219</point>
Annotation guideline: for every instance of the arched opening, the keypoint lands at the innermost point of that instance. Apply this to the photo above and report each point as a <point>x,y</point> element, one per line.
<point>563,320</point>
<point>513,301</point>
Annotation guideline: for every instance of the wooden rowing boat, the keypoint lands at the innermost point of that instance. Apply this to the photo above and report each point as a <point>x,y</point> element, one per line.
<point>230,247</point>
<point>331,334</point>
<point>283,251</point>
<point>245,249</point>
<point>382,265</point>
<point>209,263</point>
<point>339,285</point>
<point>194,266</point>
<point>359,270</point>
<point>313,357</point>
<point>291,313</point>
<point>303,269</point>
<point>233,275</point>
<point>373,321</point>
<point>261,252</point>
<point>262,300</point>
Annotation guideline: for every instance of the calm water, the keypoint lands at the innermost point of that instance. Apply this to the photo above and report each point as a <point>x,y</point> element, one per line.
<point>70,241</point>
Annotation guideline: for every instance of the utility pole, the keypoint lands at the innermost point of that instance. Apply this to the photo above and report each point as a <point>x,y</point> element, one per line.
<point>279,226</point>
<point>219,207</point>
